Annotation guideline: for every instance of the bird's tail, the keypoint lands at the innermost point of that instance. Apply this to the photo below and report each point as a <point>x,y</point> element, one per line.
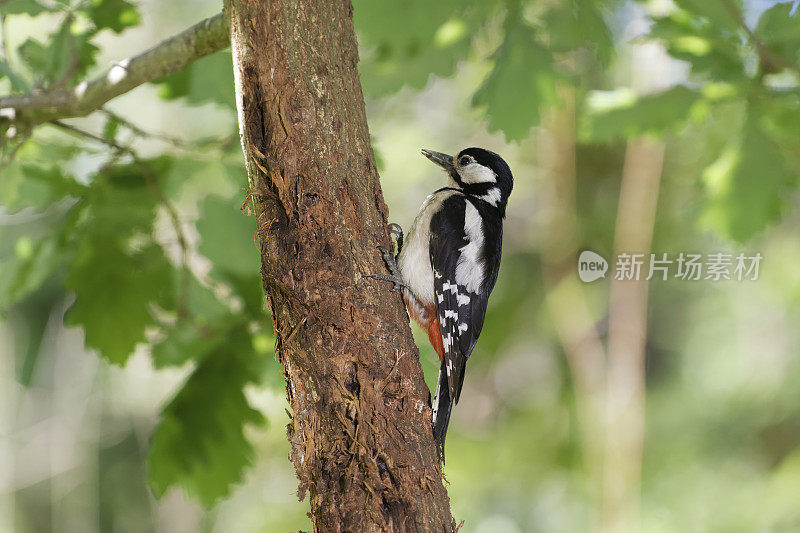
<point>442,405</point>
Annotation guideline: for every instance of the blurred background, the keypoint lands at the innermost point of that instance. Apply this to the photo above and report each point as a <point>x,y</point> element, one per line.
<point>138,389</point>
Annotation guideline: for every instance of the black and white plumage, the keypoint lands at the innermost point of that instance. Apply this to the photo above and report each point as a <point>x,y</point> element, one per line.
<point>448,263</point>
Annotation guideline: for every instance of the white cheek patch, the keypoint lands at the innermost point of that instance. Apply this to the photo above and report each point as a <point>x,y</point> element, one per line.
<point>475,173</point>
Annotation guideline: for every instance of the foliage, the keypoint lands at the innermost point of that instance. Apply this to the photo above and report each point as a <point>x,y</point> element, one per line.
<point>200,442</point>
<point>536,45</point>
<point>522,63</point>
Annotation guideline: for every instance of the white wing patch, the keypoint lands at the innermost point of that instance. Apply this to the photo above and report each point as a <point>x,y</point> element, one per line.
<point>446,342</point>
<point>493,196</point>
<point>436,399</point>
<point>470,268</point>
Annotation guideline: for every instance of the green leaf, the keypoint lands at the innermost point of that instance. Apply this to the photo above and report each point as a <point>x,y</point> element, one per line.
<point>116,15</point>
<point>746,186</point>
<point>573,24</point>
<point>29,265</point>
<point>712,53</point>
<point>35,55</point>
<point>122,200</point>
<point>65,57</point>
<point>522,80</point>
<point>118,272</point>
<point>110,128</point>
<point>407,42</point>
<point>19,7</point>
<point>17,83</point>
<point>617,115</point>
<point>780,117</point>
<point>194,337</point>
<point>226,238</point>
<point>200,443</point>
<point>715,11</point>
<point>184,342</point>
<point>114,289</point>
<point>209,79</point>
<point>27,185</point>
<point>779,29</point>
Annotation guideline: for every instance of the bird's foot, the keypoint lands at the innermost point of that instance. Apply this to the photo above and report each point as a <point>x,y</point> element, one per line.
<point>391,264</point>
<point>398,281</point>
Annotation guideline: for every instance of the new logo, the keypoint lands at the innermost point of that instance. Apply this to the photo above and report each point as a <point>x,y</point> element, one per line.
<point>591,266</point>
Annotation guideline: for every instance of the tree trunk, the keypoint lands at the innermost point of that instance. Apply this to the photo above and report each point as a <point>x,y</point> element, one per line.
<point>360,434</point>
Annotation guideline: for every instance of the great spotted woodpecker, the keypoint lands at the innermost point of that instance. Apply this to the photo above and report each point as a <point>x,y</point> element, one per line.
<point>449,262</point>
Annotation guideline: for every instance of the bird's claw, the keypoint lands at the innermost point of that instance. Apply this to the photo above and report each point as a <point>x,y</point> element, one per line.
<point>390,261</point>
<point>395,230</point>
<point>398,282</point>
<point>391,264</point>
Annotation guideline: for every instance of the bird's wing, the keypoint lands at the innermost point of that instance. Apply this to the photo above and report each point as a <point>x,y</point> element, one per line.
<point>463,275</point>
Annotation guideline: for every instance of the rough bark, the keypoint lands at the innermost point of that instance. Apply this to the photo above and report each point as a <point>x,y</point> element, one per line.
<point>360,433</point>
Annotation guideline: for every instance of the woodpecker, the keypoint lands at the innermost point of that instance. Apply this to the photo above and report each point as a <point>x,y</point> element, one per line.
<point>448,264</point>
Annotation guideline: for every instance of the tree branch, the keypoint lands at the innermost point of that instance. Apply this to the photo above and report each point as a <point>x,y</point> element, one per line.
<point>766,55</point>
<point>173,54</point>
<point>152,182</point>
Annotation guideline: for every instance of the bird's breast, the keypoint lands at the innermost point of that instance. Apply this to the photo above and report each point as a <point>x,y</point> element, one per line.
<point>415,260</point>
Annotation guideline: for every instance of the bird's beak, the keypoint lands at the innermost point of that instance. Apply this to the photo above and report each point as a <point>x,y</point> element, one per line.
<point>443,160</point>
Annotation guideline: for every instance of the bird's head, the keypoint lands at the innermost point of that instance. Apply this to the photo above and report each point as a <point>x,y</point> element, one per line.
<point>478,172</point>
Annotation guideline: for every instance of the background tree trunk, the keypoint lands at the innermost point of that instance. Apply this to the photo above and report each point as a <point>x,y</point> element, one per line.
<point>360,434</point>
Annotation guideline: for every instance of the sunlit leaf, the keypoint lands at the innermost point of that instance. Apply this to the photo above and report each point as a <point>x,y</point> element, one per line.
<point>746,186</point>
<point>209,79</point>
<point>609,119</point>
<point>114,289</point>
<point>116,15</point>
<point>35,55</point>
<point>780,116</point>
<point>192,337</point>
<point>27,185</point>
<point>124,197</point>
<point>27,7</point>
<point>26,268</point>
<point>118,272</point>
<point>722,13</point>
<point>184,342</point>
<point>65,57</point>
<point>710,52</point>
<point>110,128</point>
<point>779,29</point>
<point>405,43</point>
<point>200,443</point>
<point>17,83</point>
<point>576,23</point>
<point>227,238</point>
<point>522,80</point>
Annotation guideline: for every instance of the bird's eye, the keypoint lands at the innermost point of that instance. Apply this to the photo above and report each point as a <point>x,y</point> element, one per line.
<point>464,160</point>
